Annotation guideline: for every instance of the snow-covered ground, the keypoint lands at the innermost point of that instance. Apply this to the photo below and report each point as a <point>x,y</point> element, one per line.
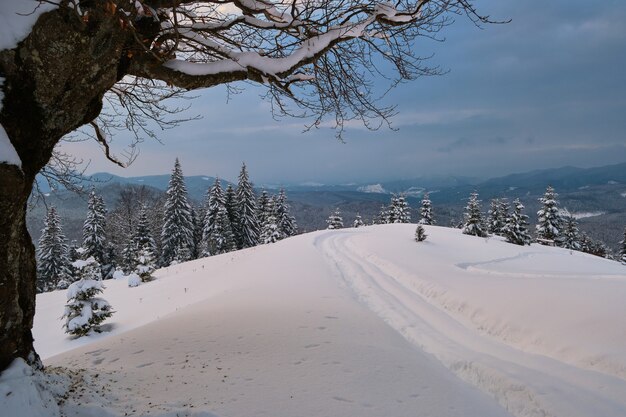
<point>356,322</point>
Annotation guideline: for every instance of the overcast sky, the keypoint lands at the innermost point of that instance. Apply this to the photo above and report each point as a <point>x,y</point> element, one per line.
<point>546,90</point>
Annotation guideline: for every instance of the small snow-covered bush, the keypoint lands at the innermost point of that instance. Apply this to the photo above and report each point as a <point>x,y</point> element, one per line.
<point>133,280</point>
<point>145,265</point>
<point>84,311</point>
<point>420,233</point>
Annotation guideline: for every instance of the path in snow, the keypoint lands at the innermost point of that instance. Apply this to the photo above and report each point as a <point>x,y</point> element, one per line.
<point>412,301</point>
<point>276,335</point>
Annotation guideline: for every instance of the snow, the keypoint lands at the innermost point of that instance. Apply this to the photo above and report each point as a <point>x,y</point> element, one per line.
<point>24,391</point>
<point>17,18</point>
<point>584,215</point>
<point>134,280</point>
<point>360,322</point>
<point>372,188</point>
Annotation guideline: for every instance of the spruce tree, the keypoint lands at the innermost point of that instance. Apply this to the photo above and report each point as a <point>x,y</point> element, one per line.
<point>217,233</point>
<point>402,210</point>
<point>570,238</point>
<point>516,228</point>
<point>358,222</point>
<point>497,215</point>
<point>143,236</point>
<point>426,211</point>
<point>94,235</point>
<point>53,264</point>
<point>262,210</point>
<point>248,228</point>
<point>84,311</point>
<point>392,210</point>
<point>270,232</point>
<point>420,233</point>
<point>177,234</point>
<point>335,221</point>
<point>145,263</point>
<point>473,224</point>
<point>383,215</point>
<point>230,200</point>
<point>287,225</point>
<point>549,222</point>
<point>622,250</point>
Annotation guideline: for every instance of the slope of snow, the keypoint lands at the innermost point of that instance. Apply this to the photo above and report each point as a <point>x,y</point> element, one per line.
<point>358,322</point>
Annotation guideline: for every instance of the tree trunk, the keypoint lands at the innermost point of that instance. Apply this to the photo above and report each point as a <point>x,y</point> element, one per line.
<point>17,269</point>
<point>54,83</point>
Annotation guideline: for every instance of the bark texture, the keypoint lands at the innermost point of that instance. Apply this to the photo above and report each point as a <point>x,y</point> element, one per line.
<point>54,83</point>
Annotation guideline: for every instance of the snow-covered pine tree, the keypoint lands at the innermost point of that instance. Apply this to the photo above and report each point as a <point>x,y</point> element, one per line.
<point>473,224</point>
<point>230,200</point>
<point>145,263</point>
<point>220,238</point>
<point>143,236</point>
<point>516,228</point>
<point>248,228</point>
<point>213,228</point>
<point>53,264</point>
<point>358,221</point>
<point>84,311</point>
<point>570,238</point>
<point>392,210</point>
<point>400,209</point>
<point>197,218</point>
<point>287,225</point>
<point>270,232</point>
<point>383,215</point>
<point>335,221</point>
<point>497,215</point>
<point>622,249</point>
<point>549,222</point>
<point>177,233</point>
<point>261,207</point>
<point>94,235</point>
<point>426,211</point>
<point>420,233</point>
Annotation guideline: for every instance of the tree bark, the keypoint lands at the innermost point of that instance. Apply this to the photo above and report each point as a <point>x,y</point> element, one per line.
<point>54,83</point>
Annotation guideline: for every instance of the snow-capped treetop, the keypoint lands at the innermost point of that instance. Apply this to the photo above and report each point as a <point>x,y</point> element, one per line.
<point>248,228</point>
<point>426,211</point>
<point>473,224</point>
<point>549,221</point>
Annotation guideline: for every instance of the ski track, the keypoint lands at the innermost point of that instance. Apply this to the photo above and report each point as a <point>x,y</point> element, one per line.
<point>525,384</point>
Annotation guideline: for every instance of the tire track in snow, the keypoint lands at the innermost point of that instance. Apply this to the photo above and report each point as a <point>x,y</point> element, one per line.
<point>525,384</point>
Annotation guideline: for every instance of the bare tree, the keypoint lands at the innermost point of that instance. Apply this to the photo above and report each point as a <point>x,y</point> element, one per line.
<point>317,59</point>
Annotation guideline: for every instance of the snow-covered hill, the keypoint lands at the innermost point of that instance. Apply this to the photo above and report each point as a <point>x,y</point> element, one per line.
<point>355,322</point>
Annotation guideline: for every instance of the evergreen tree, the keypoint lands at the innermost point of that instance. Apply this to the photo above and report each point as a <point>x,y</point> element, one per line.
<point>145,264</point>
<point>94,235</point>
<point>358,222</point>
<point>473,224</point>
<point>497,215</point>
<point>230,199</point>
<point>287,225</point>
<point>549,222</point>
<point>392,213</point>
<point>335,221</point>
<point>571,234</point>
<point>622,250</point>
<point>84,311</point>
<point>217,233</point>
<point>221,238</point>
<point>401,210</point>
<point>197,218</point>
<point>178,229</point>
<point>143,236</point>
<point>383,215</point>
<point>516,228</point>
<point>248,228</point>
<point>53,264</point>
<point>426,211</point>
<point>420,233</point>
<point>262,210</point>
<point>270,232</point>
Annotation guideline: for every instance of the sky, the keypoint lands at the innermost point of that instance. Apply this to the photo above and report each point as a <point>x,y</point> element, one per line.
<point>546,90</point>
